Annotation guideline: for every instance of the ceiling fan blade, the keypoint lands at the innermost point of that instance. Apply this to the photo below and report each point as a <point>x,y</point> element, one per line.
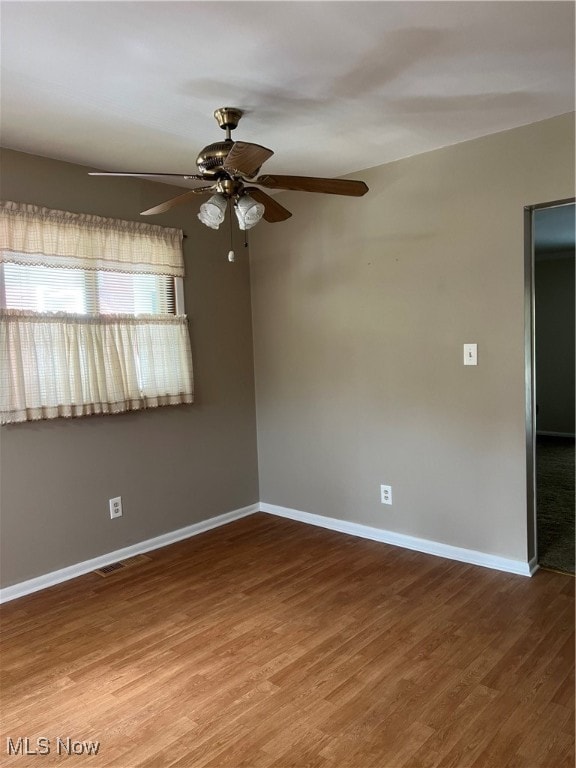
<point>174,201</point>
<point>312,184</point>
<point>273,211</point>
<point>148,175</point>
<point>246,158</point>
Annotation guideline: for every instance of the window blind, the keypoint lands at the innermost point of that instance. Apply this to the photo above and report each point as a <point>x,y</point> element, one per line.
<point>79,291</point>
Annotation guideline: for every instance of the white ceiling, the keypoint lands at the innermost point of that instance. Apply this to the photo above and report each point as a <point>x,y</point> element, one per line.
<point>332,87</point>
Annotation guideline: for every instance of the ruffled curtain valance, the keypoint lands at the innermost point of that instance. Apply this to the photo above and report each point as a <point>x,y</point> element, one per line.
<point>36,236</point>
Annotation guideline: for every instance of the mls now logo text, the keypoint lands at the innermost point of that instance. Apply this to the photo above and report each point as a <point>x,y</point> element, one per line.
<point>45,746</point>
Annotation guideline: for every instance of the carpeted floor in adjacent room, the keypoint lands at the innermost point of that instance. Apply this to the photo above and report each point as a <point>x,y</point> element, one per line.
<point>555,503</point>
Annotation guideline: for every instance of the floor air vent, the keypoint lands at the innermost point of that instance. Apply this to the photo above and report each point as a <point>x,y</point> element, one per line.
<point>106,570</point>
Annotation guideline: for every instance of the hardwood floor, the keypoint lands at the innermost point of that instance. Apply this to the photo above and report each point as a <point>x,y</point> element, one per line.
<point>271,644</point>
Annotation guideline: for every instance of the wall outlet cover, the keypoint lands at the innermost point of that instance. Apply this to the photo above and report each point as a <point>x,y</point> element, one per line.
<point>386,494</point>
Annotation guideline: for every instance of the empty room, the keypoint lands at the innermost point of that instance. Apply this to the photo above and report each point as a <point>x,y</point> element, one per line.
<point>278,283</point>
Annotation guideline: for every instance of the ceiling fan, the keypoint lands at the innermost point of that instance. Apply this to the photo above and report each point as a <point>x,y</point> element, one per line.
<point>230,169</point>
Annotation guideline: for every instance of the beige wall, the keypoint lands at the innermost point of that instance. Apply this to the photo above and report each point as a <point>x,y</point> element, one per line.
<point>360,310</point>
<point>172,466</point>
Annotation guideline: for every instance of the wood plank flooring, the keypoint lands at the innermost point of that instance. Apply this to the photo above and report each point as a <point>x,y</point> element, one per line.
<point>272,644</point>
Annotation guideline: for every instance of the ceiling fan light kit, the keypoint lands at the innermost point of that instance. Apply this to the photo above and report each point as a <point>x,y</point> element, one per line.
<point>213,211</point>
<point>227,166</point>
<point>248,211</point>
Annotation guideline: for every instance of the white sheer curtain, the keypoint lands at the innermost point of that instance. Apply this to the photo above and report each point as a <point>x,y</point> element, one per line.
<point>63,364</point>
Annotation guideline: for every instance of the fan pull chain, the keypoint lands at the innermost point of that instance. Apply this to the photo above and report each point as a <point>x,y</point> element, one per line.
<point>231,254</point>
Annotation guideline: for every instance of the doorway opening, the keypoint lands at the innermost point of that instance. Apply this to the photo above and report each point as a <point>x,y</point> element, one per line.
<point>550,236</point>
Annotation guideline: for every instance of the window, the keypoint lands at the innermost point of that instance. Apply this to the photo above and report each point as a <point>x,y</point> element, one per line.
<point>91,315</point>
<point>78,291</point>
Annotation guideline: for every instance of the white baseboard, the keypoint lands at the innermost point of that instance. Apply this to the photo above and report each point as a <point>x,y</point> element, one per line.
<point>79,569</point>
<point>426,546</point>
<point>471,556</point>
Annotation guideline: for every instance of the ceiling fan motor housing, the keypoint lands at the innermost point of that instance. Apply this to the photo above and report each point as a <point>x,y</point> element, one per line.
<point>211,158</point>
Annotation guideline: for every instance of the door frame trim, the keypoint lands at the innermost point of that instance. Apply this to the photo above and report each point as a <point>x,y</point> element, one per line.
<point>530,367</point>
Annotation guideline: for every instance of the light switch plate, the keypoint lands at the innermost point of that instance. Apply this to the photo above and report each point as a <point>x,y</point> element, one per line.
<point>470,354</point>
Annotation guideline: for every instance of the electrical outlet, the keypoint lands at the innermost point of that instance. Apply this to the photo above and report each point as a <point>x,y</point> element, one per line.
<point>115,507</point>
<point>386,494</point>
